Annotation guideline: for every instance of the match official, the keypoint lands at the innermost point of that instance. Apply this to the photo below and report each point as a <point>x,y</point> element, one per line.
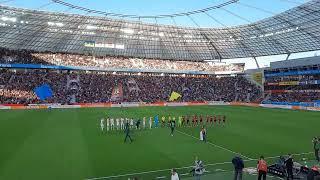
<point>127,131</point>
<point>172,126</point>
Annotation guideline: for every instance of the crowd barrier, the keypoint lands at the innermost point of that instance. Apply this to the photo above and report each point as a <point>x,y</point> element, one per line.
<point>303,104</point>
<point>158,104</point>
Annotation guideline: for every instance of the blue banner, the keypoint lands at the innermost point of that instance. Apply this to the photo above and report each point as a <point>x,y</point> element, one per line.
<point>305,104</point>
<point>292,73</point>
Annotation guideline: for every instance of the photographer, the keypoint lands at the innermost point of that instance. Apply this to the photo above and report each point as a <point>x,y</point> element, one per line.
<point>198,169</point>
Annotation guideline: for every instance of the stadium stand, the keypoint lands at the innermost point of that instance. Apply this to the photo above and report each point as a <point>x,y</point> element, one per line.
<point>94,87</point>
<point>28,57</point>
<point>298,81</point>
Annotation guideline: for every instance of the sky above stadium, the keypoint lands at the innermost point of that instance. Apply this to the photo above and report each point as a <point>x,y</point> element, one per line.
<point>157,7</point>
<point>234,14</point>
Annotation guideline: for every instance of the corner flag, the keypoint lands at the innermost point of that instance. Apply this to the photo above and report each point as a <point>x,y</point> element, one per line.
<point>174,96</point>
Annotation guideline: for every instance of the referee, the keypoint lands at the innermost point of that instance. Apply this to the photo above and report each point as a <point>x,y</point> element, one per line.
<point>127,131</point>
<point>172,126</point>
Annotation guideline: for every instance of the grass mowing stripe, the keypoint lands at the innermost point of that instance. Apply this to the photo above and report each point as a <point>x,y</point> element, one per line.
<point>215,145</point>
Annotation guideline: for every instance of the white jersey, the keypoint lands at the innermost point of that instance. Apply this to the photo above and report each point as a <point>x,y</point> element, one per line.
<point>122,121</point>
<point>131,122</point>
<point>118,122</point>
<point>108,123</point>
<point>112,122</point>
<point>150,122</point>
<point>144,121</point>
<point>102,122</point>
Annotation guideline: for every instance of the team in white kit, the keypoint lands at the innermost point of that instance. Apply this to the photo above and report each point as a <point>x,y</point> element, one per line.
<point>112,124</point>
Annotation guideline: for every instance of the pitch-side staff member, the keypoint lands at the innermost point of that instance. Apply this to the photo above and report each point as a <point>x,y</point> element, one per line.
<point>316,147</point>
<point>262,168</point>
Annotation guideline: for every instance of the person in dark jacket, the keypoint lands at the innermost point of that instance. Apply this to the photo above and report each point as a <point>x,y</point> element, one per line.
<point>238,167</point>
<point>289,166</point>
<point>127,132</point>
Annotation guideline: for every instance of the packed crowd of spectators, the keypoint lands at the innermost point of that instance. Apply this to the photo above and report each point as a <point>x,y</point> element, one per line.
<point>108,62</point>
<point>82,87</point>
<point>300,88</point>
<point>300,78</point>
<point>295,97</point>
<point>21,56</point>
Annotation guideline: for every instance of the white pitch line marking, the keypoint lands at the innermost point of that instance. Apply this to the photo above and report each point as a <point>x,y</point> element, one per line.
<point>218,146</point>
<point>185,167</point>
<point>184,174</point>
<point>295,154</point>
<point>161,177</point>
<point>213,164</point>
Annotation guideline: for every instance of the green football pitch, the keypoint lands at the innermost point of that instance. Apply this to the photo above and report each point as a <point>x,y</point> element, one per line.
<point>67,144</point>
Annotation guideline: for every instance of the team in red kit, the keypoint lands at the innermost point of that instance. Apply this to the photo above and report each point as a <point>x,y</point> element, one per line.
<point>200,120</point>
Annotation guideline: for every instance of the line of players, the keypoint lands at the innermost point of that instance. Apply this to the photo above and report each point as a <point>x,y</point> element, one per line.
<point>153,122</point>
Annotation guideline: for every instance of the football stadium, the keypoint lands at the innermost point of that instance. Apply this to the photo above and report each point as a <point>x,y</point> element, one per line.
<point>159,90</point>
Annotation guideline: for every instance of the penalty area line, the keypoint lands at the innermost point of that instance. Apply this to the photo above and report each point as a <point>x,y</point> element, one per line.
<point>218,146</point>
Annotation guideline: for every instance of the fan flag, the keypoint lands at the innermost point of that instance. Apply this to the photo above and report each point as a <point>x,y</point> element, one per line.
<point>174,96</point>
<point>43,92</point>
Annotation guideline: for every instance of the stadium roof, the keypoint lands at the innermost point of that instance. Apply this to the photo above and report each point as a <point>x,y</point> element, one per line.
<point>295,30</point>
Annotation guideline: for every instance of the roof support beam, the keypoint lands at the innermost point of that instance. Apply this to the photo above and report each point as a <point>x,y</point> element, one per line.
<point>255,59</point>
<point>214,47</point>
<point>288,55</point>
